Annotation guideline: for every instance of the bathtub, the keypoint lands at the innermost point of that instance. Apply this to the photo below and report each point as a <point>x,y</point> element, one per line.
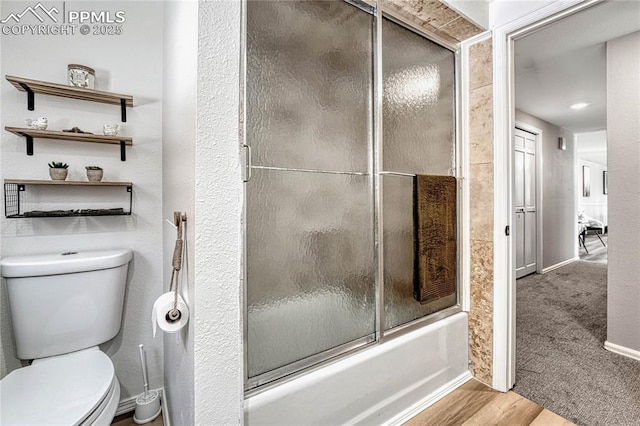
<point>385,384</point>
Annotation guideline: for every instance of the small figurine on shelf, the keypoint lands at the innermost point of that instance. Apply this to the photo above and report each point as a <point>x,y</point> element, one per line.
<point>94,173</point>
<point>111,129</point>
<point>39,123</point>
<point>58,170</point>
<point>76,130</point>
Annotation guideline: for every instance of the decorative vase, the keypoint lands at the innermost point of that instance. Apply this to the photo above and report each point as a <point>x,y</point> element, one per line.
<point>58,174</point>
<point>94,175</point>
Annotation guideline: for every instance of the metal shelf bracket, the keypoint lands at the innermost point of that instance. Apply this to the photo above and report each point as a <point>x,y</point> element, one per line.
<point>30,97</point>
<point>123,110</point>
<point>29,140</point>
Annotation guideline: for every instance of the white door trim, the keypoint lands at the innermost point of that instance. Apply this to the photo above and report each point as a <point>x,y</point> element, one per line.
<point>539,228</point>
<point>504,341</point>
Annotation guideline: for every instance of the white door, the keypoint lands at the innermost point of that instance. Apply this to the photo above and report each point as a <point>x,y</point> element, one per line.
<point>525,202</point>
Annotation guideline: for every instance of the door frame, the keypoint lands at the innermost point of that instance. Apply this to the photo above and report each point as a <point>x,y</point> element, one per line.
<point>504,336</point>
<point>539,190</point>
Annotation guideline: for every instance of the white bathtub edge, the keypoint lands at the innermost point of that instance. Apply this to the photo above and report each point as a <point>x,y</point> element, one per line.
<point>379,385</point>
<point>430,399</point>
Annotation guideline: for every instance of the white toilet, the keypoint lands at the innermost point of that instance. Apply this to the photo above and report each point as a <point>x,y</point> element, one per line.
<point>62,306</point>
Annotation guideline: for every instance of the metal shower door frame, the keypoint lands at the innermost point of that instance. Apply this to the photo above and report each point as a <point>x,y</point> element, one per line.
<point>265,381</point>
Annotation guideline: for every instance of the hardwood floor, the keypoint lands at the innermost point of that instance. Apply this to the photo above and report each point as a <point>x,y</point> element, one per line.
<point>474,404</point>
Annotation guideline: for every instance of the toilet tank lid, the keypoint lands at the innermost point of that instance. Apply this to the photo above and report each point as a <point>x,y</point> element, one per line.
<point>63,263</point>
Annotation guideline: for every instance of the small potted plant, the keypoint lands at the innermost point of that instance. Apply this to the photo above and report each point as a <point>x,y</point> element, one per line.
<point>94,173</point>
<point>58,170</point>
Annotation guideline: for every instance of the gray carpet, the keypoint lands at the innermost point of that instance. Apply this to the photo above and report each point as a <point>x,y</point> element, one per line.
<point>560,360</point>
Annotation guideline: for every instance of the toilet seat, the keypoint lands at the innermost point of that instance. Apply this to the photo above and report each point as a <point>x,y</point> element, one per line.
<point>70,389</point>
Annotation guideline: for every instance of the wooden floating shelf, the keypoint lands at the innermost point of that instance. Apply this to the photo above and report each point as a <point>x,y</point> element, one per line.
<point>29,134</point>
<point>69,136</point>
<point>65,91</point>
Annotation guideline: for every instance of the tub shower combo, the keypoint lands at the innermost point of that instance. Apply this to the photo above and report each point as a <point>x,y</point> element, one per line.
<point>344,106</point>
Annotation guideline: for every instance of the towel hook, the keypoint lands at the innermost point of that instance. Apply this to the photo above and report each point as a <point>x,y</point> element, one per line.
<point>179,217</point>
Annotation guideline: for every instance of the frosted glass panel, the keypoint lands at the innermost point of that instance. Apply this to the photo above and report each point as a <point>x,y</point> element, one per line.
<point>309,84</point>
<point>400,306</point>
<point>418,103</point>
<point>310,281</point>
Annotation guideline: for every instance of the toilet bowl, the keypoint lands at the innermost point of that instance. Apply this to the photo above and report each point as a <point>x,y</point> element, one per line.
<point>63,305</point>
<point>79,388</point>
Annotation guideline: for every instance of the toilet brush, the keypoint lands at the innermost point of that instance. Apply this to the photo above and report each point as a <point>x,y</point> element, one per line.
<point>147,404</point>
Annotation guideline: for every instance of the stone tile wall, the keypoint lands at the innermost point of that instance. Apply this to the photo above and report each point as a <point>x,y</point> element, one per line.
<point>481,194</point>
<point>435,17</point>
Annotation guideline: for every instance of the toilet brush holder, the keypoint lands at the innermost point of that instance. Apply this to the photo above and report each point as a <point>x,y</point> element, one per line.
<point>148,404</point>
<point>147,407</point>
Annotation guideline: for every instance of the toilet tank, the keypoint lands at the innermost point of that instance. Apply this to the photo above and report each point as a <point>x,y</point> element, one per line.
<point>65,302</point>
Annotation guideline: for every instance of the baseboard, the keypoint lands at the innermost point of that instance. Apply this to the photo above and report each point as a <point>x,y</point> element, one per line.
<point>622,350</point>
<point>559,265</point>
<point>430,399</point>
<point>128,405</point>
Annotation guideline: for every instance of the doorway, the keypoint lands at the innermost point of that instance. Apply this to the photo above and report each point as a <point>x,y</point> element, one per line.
<point>504,294</point>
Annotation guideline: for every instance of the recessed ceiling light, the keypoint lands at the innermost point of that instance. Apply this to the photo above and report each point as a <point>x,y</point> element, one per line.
<point>580,105</point>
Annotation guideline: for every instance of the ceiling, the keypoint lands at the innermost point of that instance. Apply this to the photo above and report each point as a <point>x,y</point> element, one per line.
<point>565,62</point>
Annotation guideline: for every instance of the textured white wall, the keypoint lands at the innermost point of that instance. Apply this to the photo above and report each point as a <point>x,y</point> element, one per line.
<point>623,129</point>
<point>127,63</point>
<point>218,322</point>
<point>178,159</point>
<point>558,192</point>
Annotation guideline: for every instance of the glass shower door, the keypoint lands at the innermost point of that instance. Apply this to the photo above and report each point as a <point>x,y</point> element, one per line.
<point>418,112</point>
<point>310,285</point>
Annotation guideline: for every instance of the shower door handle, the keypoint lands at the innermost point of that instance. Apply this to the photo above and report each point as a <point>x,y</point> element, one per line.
<point>246,175</point>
